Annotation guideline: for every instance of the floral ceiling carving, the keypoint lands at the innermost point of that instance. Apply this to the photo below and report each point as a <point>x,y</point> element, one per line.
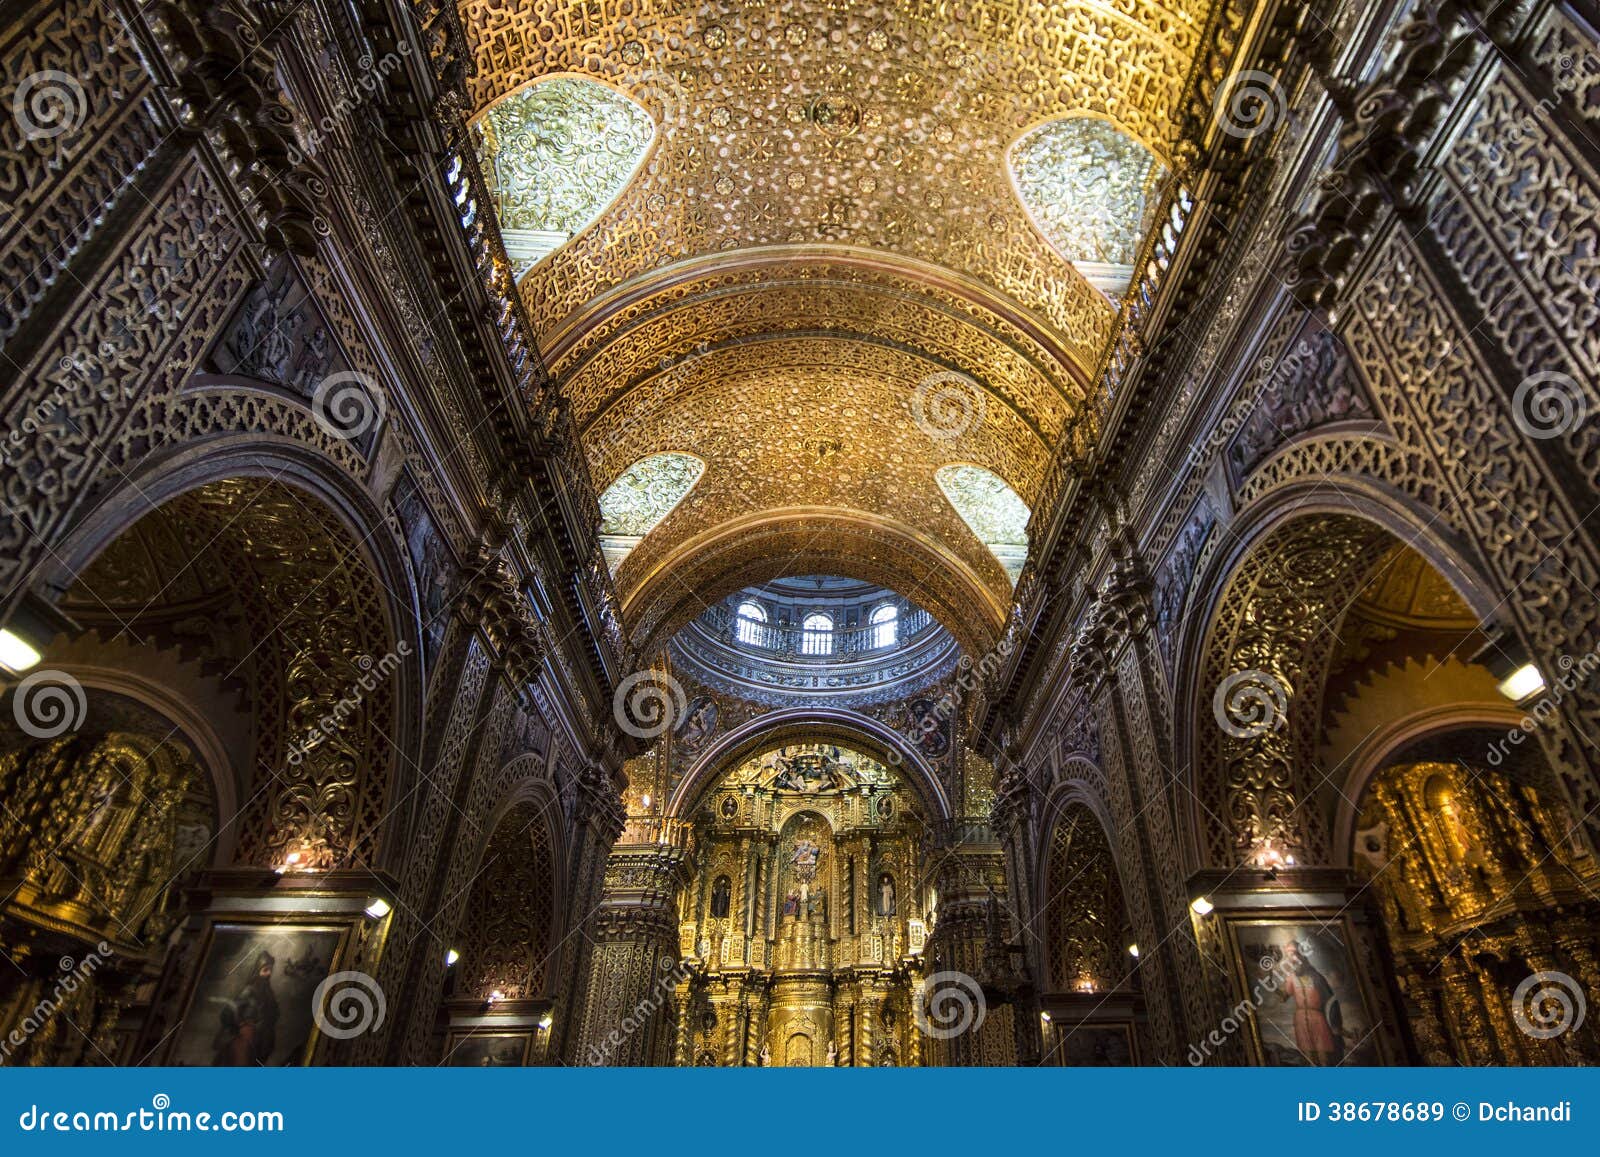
<point>824,224</point>
<point>646,493</point>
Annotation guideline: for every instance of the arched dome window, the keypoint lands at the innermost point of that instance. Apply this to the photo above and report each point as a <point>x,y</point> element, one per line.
<point>816,635</point>
<point>1091,190</point>
<point>555,156</point>
<point>885,622</point>
<point>749,621</point>
<point>640,498</point>
<point>994,511</point>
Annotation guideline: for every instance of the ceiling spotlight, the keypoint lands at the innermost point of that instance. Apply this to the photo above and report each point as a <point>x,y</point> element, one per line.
<point>1523,683</point>
<point>379,908</point>
<point>451,957</point>
<point>1201,906</point>
<point>16,653</point>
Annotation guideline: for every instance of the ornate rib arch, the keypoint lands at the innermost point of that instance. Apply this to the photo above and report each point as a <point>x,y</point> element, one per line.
<point>776,728</point>
<point>969,602</point>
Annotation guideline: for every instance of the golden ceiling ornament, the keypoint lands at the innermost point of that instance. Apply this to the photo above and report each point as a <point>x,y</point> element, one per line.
<point>833,177</point>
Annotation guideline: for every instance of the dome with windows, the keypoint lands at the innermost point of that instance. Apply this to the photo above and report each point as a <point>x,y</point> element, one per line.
<point>816,639</point>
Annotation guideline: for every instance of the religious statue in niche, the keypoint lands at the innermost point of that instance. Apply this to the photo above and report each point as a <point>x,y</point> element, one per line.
<point>886,897</point>
<point>805,895</point>
<point>699,722</point>
<point>730,807</point>
<point>721,897</point>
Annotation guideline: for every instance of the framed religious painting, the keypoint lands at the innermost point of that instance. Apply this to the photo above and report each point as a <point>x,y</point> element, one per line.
<point>1098,1046</point>
<point>488,1050</point>
<point>253,1000</point>
<point>1306,1002</point>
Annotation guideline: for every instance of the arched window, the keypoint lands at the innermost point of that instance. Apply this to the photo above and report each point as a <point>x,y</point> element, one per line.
<point>884,622</point>
<point>748,621</point>
<point>994,511</point>
<point>555,156</point>
<point>816,635</point>
<point>1090,190</point>
<point>641,497</point>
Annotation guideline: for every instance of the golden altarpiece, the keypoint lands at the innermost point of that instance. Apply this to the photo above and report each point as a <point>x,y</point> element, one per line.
<point>806,918</point>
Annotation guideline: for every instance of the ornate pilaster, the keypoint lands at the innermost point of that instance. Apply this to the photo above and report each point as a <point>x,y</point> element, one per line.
<point>633,971</point>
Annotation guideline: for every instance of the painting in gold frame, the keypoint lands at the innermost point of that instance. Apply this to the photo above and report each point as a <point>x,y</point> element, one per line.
<point>1305,1000</point>
<point>251,1002</point>
<point>488,1050</point>
<point>1099,1046</point>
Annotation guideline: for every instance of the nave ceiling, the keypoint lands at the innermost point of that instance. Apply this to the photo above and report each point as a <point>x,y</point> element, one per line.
<point>822,244</point>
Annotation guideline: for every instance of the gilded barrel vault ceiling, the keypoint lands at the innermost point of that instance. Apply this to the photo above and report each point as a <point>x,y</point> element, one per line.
<point>825,221</point>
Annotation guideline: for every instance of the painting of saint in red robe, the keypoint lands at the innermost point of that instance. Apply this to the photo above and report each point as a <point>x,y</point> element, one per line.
<point>1305,996</point>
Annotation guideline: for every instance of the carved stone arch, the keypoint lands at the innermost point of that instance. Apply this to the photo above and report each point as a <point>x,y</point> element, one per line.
<point>1082,910</point>
<point>804,724</point>
<point>318,498</point>
<point>1407,732</point>
<point>511,930</point>
<point>1312,547</point>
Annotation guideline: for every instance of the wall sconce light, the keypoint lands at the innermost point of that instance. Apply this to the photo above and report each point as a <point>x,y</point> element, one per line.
<point>1133,951</point>
<point>1201,906</point>
<point>33,623</point>
<point>1523,683</point>
<point>379,908</point>
<point>494,998</point>
<point>291,863</point>
<point>16,653</point>
<point>546,1021</point>
<point>1045,1016</point>
<point>645,801</point>
<point>450,958</point>
<point>1269,858</point>
<point>1515,675</point>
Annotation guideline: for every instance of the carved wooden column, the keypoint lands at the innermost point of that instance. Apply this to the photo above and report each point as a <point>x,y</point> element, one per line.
<point>633,968</point>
